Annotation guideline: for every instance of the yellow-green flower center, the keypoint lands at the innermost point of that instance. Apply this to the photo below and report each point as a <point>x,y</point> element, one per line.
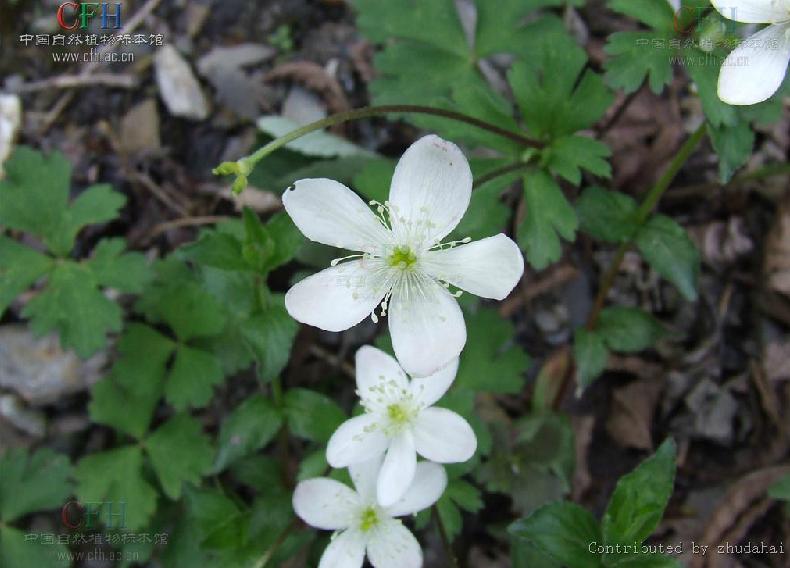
<point>402,257</point>
<point>397,414</point>
<point>369,519</point>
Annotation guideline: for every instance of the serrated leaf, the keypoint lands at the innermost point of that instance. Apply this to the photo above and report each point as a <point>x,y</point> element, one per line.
<point>180,453</point>
<point>636,56</point>
<point>628,329</point>
<point>450,516</point>
<point>491,361</point>
<point>640,497</point>
<point>549,217</point>
<point>218,250</point>
<point>657,15</point>
<point>487,214</point>
<point>135,382</point>
<point>127,272</point>
<point>115,477</point>
<point>72,305</point>
<point>671,253</point>
<point>555,95</point>
<point>270,336</point>
<point>318,143</point>
<point>250,426</point>
<point>706,78</point>
<point>734,145</point>
<point>465,495</point>
<point>17,550</point>
<point>590,355</point>
<point>563,531</point>
<point>20,267</point>
<point>287,240</point>
<point>607,215</point>
<point>32,482</point>
<point>192,379</point>
<point>312,415</point>
<point>568,156</point>
<point>34,198</point>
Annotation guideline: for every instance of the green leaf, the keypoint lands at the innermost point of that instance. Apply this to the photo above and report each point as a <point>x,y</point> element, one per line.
<point>657,15</point>
<point>17,550</point>
<point>32,482</point>
<point>733,144</point>
<point>115,477</point>
<point>180,453</point>
<point>706,78</point>
<point>671,253</point>
<point>270,335</point>
<point>636,56</point>
<point>640,497</point>
<point>568,156</point>
<point>178,300</point>
<point>34,198</point>
<point>125,272</point>
<point>556,96</point>
<point>450,516</point>
<point>491,361</point>
<point>72,304</point>
<point>287,240</point>
<point>628,329</point>
<point>135,382</point>
<point>524,554</point>
<point>780,489</point>
<point>607,215</point>
<point>590,355</point>
<point>312,415</point>
<point>562,530</point>
<point>193,377</point>
<point>465,495</point>
<point>549,217</point>
<point>250,426</point>
<point>20,267</point>
<point>217,249</point>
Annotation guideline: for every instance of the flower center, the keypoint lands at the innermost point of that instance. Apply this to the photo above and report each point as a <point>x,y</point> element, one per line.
<point>402,257</point>
<point>397,414</point>
<point>368,519</point>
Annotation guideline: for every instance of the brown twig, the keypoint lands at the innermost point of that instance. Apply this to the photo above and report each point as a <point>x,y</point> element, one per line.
<point>184,222</point>
<point>79,81</point>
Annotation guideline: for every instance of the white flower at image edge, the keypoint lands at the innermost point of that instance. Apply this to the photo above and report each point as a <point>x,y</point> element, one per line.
<point>401,264</point>
<point>755,70</point>
<point>364,526</point>
<point>399,420</point>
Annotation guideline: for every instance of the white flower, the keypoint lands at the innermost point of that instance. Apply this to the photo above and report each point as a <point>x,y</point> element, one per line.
<point>401,264</point>
<point>364,526</point>
<point>400,421</point>
<point>755,70</point>
<point>675,5</point>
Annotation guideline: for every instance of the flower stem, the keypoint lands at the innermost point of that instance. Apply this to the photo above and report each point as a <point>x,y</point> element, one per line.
<point>504,170</point>
<point>448,548</point>
<point>647,206</point>
<point>244,166</point>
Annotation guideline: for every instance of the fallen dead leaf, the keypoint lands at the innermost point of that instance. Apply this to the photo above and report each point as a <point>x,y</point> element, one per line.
<point>630,419</point>
<point>314,77</point>
<point>583,427</point>
<point>777,250</point>
<point>140,128</point>
<point>722,243</point>
<point>177,85</point>
<point>776,361</point>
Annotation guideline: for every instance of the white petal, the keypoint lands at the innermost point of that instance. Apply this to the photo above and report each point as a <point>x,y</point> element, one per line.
<point>442,436</point>
<point>328,212</point>
<point>755,70</point>
<point>337,298</point>
<point>430,191</point>
<point>675,4</point>
<point>490,267</point>
<point>427,390</point>
<point>325,503</point>
<point>355,441</point>
<point>426,325</point>
<point>754,11</point>
<point>393,546</point>
<point>430,481</point>
<point>375,370</point>
<point>365,475</point>
<point>397,472</point>
<point>347,550</point>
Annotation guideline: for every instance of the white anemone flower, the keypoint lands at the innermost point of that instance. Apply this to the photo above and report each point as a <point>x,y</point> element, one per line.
<point>364,526</point>
<point>401,263</point>
<point>755,70</point>
<point>399,420</point>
